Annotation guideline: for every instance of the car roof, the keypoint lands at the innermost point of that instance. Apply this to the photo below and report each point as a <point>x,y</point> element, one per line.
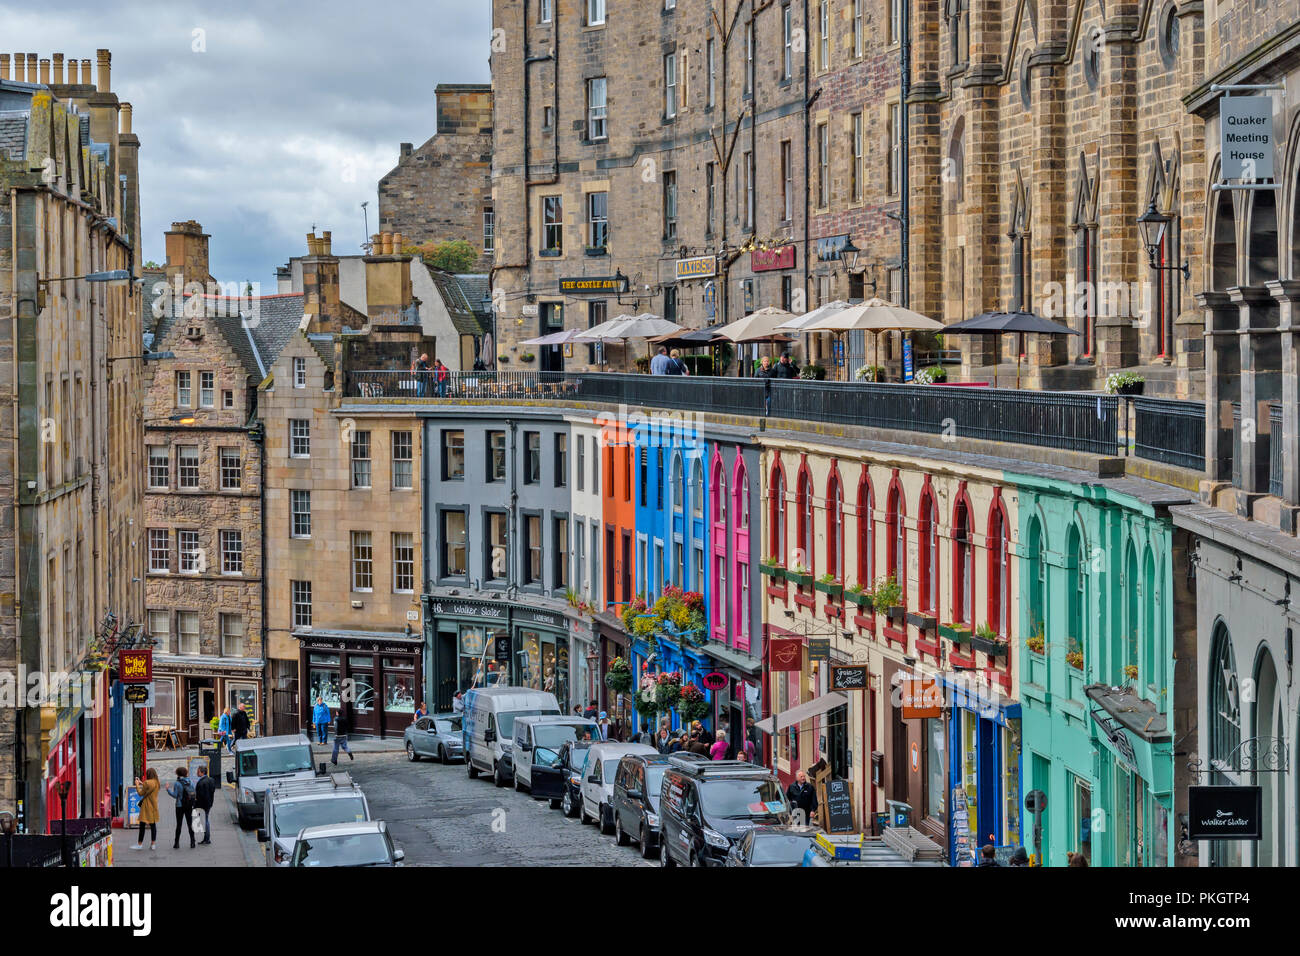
<point>553,719</point>
<point>654,758</point>
<point>343,829</point>
<point>296,796</point>
<point>612,748</point>
<point>446,716</point>
<point>264,743</point>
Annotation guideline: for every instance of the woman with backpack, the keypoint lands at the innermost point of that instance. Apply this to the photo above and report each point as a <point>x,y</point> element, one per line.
<point>183,791</point>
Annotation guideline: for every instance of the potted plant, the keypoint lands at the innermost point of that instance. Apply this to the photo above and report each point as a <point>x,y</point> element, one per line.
<point>643,365</point>
<point>987,640</point>
<point>527,357</point>
<point>869,373</point>
<point>931,375</point>
<point>813,372</point>
<point>889,598</point>
<point>773,568</point>
<point>668,689</point>
<point>956,632</point>
<point>799,575</point>
<point>863,599</point>
<point>1125,383</point>
<point>503,359</point>
<point>1074,656</point>
<point>1036,643</point>
<point>692,705</point>
<point>829,586</point>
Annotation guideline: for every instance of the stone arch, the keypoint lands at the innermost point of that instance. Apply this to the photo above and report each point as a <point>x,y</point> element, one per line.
<point>1261,237</point>
<point>1221,240</point>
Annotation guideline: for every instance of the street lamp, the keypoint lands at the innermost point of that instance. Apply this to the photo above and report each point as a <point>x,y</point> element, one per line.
<point>1152,225</point>
<point>849,254</point>
<point>8,823</point>
<point>64,788</point>
<point>114,277</point>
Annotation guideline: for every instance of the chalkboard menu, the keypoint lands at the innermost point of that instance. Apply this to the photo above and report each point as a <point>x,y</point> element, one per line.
<point>849,677</point>
<point>839,807</point>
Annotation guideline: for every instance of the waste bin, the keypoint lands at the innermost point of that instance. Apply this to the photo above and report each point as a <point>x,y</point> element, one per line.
<point>900,813</point>
<point>212,750</point>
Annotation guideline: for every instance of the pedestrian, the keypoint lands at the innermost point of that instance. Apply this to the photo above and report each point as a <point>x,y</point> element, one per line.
<point>342,727</point>
<point>675,364</point>
<point>183,791</point>
<point>660,364</point>
<point>602,725</point>
<point>765,369</point>
<point>1078,859</point>
<point>989,855</point>
<point>675,743</point>
<point>663,738</point>
<point>719,749</point>
<point>320,716</point>
<point>223,731</point>
<point>590,712</point>
<point>421,369</point>
<point>1020,857</point>
<point>786,368</point>
<point>443,375</point>
<point>458,703</point>
<point>239,724</point>
<point>803,797</point>
<point>577,710</point>
<point>745,751</point>
<point>421,711</point>
<point>148,790</point>
<point>205,794</point>
<point>698,744</point>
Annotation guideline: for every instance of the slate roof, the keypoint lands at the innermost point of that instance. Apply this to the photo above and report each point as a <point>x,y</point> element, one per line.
<point>257,336</point>
<point>463,316</point>
<point>323,343</point>
<point>13,134</point>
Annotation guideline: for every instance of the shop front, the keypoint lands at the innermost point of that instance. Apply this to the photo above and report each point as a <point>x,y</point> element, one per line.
<point>734,683</point>
<point>611,642</point>
<point>671,656</point>
<point>984,749</point>
<point>376,675</point>
<point>190,694</point>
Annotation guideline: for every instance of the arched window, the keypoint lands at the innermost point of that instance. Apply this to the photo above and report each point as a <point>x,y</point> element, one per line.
<point>1152,636</point>
<point>1076,637</point>
<point>697,488</point>
<point>719,494</point>
<point>1225,731</point>
<point>963,565</point>
<point>742,496</point>
<point>1132,636</point>
<point>804,521</point>
<point>1037,570</point>
<point>776,531</point>
<point>895,512</point>
<point>677,488</point>
<point>999,575</point>
<point>627,473</point>
<point>835,529</point>
<point>866,534</point>
<point>927,536</point>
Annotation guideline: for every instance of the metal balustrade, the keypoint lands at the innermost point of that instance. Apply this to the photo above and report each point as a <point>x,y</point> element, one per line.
<point>1171,432</point>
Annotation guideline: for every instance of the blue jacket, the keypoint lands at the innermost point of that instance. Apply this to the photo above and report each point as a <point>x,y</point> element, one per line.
<point>178,789</point>
<point>223,725</point>
<point>320,714</point>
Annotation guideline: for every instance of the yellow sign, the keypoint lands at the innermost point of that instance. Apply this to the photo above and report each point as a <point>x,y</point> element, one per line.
<point>698,267</point>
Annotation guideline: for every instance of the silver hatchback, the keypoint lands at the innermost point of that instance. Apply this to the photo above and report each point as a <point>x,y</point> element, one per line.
<point>437,736</point>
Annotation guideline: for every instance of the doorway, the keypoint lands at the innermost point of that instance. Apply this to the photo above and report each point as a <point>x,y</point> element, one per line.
<point>550,319</point>
<point>207,711</point>
<point>837,742</point>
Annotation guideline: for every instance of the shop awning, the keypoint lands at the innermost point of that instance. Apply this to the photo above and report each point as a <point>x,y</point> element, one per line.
<point>813,708</point>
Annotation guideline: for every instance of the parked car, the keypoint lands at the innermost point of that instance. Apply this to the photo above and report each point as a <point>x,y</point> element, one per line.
<point>772,846</point>
<point>572,758</point>
<point>438,735</point>
<point>489,722</point>
<point>293,805</point>
<point>705,806</point>
<point>259,761</point>
<point>535,756</point>
<point>635,801</point>
<point>346,844</point>
<point>598,780</point>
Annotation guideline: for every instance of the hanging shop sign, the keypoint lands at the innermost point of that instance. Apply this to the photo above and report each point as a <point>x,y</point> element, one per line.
<point>769,260</point>
<point>1246,137</point>
<point>501,647</point>
<point>819,648</point>
<point>593,285</point>
<point>135,666</point>
<point>1224,813</point>
<point>696,267</point>
<point>139,695</point>
<point>849,677</point>
<point>715,680</point>
<point>828,247</point>
<point>922,698</point>
<point>785,654</point>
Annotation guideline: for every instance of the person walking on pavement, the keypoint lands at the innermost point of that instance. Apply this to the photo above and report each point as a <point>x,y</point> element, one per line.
<point>320,716</point>
<point>745,751</point>
<point>664,737</point>
<point>602,724</point>
<point>205,794</point>
<point>765,369</point>
<point>342,727</point>
<point>675,364</point>
<point>660,364</point>
<point>989,855</point>
<point>803,796</point>
<point>148,790</point>
<point>458,703</point>
<point>239,724</point>
<point>223,731</point>
<point>785,368</point>
<point>183,791</point>
<point>421,711</point>
<point>719,749</point>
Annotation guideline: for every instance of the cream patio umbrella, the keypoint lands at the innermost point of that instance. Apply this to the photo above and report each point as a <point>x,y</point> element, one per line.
<point>875,315</point>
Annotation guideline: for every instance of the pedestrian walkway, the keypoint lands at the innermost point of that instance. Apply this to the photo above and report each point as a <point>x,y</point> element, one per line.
<point>230,845</point>
<point>362,745</point>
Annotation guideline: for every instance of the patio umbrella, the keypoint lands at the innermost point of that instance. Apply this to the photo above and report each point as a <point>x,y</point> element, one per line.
<point>1019,322</point>
<point>563,337</point>
<point>875,315</point>
<point>799,323</point>
<point>760,326</point>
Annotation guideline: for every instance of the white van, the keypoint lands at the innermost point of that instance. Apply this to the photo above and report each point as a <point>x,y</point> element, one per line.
<point>598,780</point>
<point>293,805</point>
<point>260,761</point>
<point>489,725</point>
<point>535,756</point>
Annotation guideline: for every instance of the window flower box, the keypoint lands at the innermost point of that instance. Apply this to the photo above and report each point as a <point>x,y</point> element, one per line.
<point>774,571</point>
<point>865,600</point>
<point>897,615</point>
<point>990,646</point>
<point>832,588</point>
<point>922,621</point>
<point>957,633</point>
<point>799,577</point>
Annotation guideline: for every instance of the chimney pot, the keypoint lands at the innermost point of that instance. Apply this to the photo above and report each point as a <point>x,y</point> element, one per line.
<point>45,71</point>
<point>125,116</point>
<point>4,66</point>
<point>376,245</point>
<point>105,70</point>
<point>397,243</point>
<point>85,73</point>
<point>311,243</point>
<point>58,68</point>
<point>31,68</point>
<point>326,243</point>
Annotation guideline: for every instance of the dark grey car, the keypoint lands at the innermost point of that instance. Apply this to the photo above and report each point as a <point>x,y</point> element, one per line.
<point>438,736</point>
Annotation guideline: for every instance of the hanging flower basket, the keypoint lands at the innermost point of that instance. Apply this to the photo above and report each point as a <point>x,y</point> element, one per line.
<point>619,676</point>
<point>692,705</point>
<point>668,690</point>
<point>645,704</point>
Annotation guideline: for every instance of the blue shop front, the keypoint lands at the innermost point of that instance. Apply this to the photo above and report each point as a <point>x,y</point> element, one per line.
<point>672,656</point>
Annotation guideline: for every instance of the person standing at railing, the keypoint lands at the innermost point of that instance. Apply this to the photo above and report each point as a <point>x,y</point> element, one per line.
<point>660,364</point>
<point>443,375</point>
<point>421,370</point>
<point>786,368</point>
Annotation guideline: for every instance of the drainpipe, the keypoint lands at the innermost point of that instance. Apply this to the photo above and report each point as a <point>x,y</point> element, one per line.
<point>905,89</point>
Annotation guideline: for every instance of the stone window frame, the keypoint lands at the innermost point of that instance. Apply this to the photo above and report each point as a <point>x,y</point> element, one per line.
<point>182,616</point>
<point>403,566</point>
<point>447,441</point>
<point>403,459</point>
<point>207,388</point>
<point>223,632</point>
<point>590,112</point>
<point>163,548</point>
<point>165,467</point>
<point>1169,26</point>
<point>444,565</point>
<point>184,389</point>
<point>299,371</point>
<point>302,440</point>
<point>300,605</point>
<point>232,478</point>
<point>361,558</point>
<point>1092,57</point>
<point>189,551</point>
<point>362,470</point>
<point>232,557</point>
<point>295,513</point>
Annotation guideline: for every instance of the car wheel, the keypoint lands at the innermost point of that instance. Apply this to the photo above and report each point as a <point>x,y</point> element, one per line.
<point>582,810</point>
<point>620,838</point>
<point>647,848</point>
<point>604,820</point>
<point>470,769</point>
<point>497,776</point>
<point>442,754</point>
<point>695,860</point>
<point>566,804</point>
<point>518,787</point>
<point>411,755</point>
<point>665,858</point>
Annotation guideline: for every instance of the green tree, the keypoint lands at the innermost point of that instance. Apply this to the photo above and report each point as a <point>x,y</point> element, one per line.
<point>453,255</point>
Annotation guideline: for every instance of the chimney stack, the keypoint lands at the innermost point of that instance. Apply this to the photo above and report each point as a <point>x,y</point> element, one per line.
<point>388,281</point>
<point>105,71</point>
<point>187,252</point>
<point>31,68</point>
<point>125,116</point>
<point>45,71</point>
<point>322,301</point>
<point>326,243</point>
<point>4,66</point>
<point>85,73</point>
<point>58,68</point>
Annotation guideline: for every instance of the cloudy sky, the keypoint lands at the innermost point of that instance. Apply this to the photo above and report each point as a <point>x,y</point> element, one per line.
<point>259,119</point>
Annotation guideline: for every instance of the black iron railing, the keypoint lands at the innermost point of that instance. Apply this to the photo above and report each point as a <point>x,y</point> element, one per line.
<point>474,385</point>
<point>1275,450</point>
<point>1172,432</point>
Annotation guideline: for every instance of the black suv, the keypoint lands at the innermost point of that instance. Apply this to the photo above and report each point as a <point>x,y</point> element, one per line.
<point>573,754</point>
<point>636,798</point>
<point>705,806</point>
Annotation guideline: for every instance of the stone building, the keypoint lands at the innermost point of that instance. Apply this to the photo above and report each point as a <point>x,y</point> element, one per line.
<point>645,159</point>
<point>203,499</point>
<point>443,189</point>
<point>70,469</point>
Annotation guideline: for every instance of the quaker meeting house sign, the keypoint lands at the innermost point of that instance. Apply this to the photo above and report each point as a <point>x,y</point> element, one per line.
<point>1224,813</point>
<point>1246,137</point>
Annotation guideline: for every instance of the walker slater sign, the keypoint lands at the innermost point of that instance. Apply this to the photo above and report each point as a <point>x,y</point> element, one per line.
<point>1224,813</point>
<point>1246,137</point>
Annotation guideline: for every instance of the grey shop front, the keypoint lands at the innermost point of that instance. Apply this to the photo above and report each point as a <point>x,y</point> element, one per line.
<point>473,642</point>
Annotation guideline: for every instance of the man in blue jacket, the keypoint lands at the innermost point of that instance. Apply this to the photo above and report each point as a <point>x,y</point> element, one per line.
<point>320,716</point>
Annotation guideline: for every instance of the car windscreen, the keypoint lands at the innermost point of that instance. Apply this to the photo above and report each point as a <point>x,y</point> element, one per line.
<point>447,725</point>
<point>356,849</point>
<point>273,760</point>
<point>577,757</point>
<point>506,721</point>
<point>551,736</point>
<point>299,814</point>
<point>787,848</point>
<point>611,768</point>
<point>654,778</point>
<point>742,799</point>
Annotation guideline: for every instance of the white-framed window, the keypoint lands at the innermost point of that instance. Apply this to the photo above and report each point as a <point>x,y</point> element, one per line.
<point>299,438</point>
<point>787,181</point>
<point>207,389</point>
<point>747,170</point>
<point>299,513</point>
<point>402,460</point>
<point>553,224</point>
<point>363,562</point>
<point>489,230</point>
<point>187,466</point>
<point>189,552</point>
<point>711,64</point>
<point>232,552</point>
<point>895,20</point>
<point>595,12</point>
<point>895,148</point>
<point>670,85</point>
<point>823,166</point>
<point>184,395</point>
<point>187,632</point>
<point>160,550</point>
<point>159,466</point>
<point>227,398</point>
<point>544,11</point>
<point>299,372</point>
<point>856,170</point>
<point>670,204</point>
<point>824,35</point>
<point>858,35</point>
<point>787,42</point>
<point>232,469</point>
<point>300,599</point>
<point>403,562</point>
<point>597,220</point>
<point>749,56</point>
<point>361,459</point>
<point>596,111</point>
<point>160,627</point>
<point>232,635</point>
